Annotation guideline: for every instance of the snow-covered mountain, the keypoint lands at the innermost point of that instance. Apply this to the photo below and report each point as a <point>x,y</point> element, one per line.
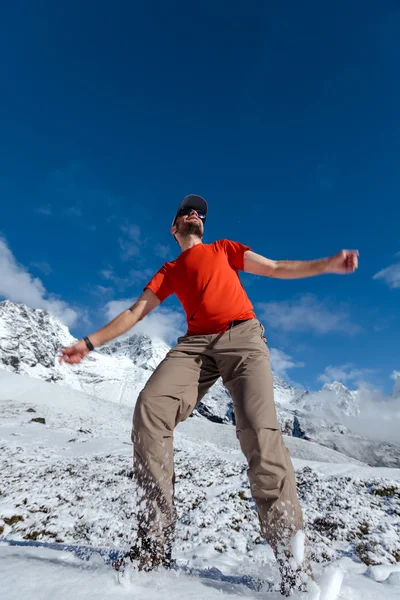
<point>285,394</point>
<point>30,340</point>
<point>333,399</point>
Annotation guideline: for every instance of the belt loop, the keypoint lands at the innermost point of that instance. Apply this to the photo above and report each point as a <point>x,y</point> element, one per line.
<point>230,331</point>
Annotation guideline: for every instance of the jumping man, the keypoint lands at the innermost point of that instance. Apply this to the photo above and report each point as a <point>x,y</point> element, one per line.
<point>223,338</point>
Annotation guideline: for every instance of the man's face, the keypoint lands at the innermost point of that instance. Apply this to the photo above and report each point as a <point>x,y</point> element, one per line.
<point>189,224</point>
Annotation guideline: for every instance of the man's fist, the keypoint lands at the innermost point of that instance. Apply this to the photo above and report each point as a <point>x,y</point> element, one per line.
<point>345,261</point>
<point>74,354</point>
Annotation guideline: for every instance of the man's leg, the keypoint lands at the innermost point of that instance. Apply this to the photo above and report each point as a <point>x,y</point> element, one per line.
<point>169,397</point>
<point>243,360</point>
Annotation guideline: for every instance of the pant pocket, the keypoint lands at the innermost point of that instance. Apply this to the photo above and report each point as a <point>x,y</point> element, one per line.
<point>263,332</point>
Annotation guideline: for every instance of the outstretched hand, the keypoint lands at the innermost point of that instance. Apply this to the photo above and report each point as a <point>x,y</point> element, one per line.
<point>75,353</point>
<point>345,261</point>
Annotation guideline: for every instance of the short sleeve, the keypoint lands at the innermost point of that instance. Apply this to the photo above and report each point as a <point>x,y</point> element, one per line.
<point>160,285</point>
<point>235,252</point>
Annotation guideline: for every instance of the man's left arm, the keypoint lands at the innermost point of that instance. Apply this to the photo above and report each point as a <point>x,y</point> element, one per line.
<point>345,261</point>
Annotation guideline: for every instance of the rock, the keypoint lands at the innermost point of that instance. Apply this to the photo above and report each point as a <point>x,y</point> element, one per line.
<point>14,519</point>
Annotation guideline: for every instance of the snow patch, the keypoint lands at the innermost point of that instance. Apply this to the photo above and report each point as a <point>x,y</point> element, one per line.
<point>299,547</point>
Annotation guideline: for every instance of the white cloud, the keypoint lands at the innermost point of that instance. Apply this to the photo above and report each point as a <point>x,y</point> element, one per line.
<point>132,231</point>
<point>395,375</point>
<point>18,285</point>
<point>390,275</point>
<point>134,277</point>
<point>306,313</point>
<point>167,324</point>
<point>131,242</point>
<point>344,373</point>
<point>163,251</point>
<point>45,209</point>
<point>379,416</point>
<point>102,290</point>
<point>43,266</point>
<point>383,323</point>
<point>73,211</point>
<point>281,362</point>
<point>140,276</point>
<point>108,274</point>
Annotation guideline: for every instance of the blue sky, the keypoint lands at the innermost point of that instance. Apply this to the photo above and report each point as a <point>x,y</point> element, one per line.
<point>284,116</point>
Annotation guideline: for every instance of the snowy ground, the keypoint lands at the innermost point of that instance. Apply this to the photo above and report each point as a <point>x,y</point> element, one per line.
<point>68,481</point>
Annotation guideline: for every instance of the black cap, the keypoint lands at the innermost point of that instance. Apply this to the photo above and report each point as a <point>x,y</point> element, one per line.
<point>193,201</point>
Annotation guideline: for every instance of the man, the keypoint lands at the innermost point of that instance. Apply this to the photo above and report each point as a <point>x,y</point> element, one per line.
<point>225,339</point>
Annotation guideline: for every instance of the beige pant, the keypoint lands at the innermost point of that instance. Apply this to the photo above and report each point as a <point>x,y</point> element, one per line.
<point>180,381</point>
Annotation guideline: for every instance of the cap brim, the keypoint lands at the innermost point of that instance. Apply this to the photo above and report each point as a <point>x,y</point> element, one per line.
<point>196,202</point>
<point>193,201</point>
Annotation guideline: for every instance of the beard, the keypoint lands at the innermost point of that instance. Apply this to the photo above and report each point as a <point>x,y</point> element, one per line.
<point>186,228</point>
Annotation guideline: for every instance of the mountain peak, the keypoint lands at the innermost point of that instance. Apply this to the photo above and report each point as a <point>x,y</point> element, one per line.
<point>144,351</point>
<point>284,392</point>
<point>21,315</point>
<point>30,338</point>
<point>334,399</point>
<point>336,386</point>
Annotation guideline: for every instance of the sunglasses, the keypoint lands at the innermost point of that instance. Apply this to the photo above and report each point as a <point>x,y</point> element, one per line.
<point>187,210</point>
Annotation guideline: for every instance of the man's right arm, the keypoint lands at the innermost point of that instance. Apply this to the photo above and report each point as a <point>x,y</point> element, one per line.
<point>126,320</point>
<point>121,324</point>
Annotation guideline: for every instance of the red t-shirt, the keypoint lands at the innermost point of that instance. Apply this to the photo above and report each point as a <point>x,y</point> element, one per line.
<point>206,281</point>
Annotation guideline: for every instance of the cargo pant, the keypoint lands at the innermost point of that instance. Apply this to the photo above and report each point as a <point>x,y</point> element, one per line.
<point>241,357</point>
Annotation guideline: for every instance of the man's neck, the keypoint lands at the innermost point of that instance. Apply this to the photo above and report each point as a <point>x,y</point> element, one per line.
<point>189,241</point>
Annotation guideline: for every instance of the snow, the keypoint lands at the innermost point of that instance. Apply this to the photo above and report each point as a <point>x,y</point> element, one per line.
<point>285,394</point>
<point>394,579</point>
<point>44,575</point>
<point>47,574</point>
<point>382,572</point>
<point>67,481</point>
<point>298,547</point>
<point>331,583</point>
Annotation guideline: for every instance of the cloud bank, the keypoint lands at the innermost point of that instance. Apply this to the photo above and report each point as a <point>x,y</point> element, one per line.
<point>307,313</point>
<point>390,275</point>
<point>18,285</point>
<point>282,362</point>
<point>165,323</point>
